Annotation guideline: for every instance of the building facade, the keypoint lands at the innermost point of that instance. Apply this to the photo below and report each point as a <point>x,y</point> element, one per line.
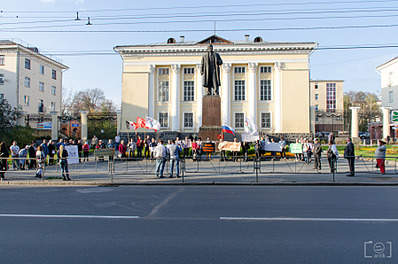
<point>389,83</point>
<point>266,82</point>
<point>327,102</point>
<point>30,81</point>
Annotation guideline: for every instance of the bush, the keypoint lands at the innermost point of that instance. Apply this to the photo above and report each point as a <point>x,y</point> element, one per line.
<point>23,135</point>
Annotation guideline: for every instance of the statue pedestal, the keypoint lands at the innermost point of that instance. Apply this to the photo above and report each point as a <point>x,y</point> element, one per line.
<point>211,117</point>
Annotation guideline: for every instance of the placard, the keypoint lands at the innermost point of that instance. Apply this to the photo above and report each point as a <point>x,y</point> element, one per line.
<point>296,148</point>
<point>73,154</point>
<point>229,146</point>
<point>275,147</point>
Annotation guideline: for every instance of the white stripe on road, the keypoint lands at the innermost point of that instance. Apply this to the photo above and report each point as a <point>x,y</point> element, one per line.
<point>310,219</point>
<point>71,216</point>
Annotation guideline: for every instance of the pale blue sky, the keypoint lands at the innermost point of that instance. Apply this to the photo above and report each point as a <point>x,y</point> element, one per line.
<point>355,67</point>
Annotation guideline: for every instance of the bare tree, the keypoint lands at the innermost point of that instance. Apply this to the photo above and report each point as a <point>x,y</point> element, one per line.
<point>91,100</point>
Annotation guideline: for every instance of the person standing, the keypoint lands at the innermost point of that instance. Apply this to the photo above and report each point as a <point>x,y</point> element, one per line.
<point>23,153</point>
<point>139,145</point>
<point>32,155</point>
<point>380,155</point>
<point>332,156</point>
<point>122,149</point>
<point>14,155</point>
<point>79,149</point>
<point>283,144</point>
<point>51,152</point>
<point>147,145</point>
<point>4,154</point>
<point>40,158</point>
<point>349,154</point>
<point>174,151</point>
<point>63,162</point>
<point>160,156</point>
<point>317,155</point>
<point>44,149</point>
<point>131,148</point>
<point>152,147</point>
<point>86,150</point>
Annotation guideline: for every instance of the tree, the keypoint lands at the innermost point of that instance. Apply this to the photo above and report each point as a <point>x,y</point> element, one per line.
<point>8,114</point>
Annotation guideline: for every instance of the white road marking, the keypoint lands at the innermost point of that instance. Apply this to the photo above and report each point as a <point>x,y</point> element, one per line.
<point>156,209</point>
<point>71,216</point>
<point>309,219</point>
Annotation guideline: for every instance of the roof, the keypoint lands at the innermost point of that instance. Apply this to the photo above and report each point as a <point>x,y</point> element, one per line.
<point>326,80</point>
<point>387,63</point>
<point>32,51</point>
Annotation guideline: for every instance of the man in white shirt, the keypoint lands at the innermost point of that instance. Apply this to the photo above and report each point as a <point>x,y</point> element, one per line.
<point>14,154</point>
<point>160,156</point>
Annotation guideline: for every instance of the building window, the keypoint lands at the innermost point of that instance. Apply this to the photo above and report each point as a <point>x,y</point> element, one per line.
<point>316,96</point>
<point>265,69</point>
<point>27,82</point>
<point>331,97</point>
<point>189,87</point>
<point>239,90</point>
<point>390,97</point>
<point>53,90</point>
<point>239,69</point>
<point>1,59</point>
<point>26,99</point>
<point>188,120</point>
<point>27,64</point>
<point>41,86</point>
<point>239,120</point>
<point>1,96</point>
<point>41,106</point>
<point>265,90</point>
<point>1,78</point>
<point>189,70</point>
<point>316,107</point>
<point>316,86</point>
<point>164,91</point>
<point>163,71</point>
<point>265,120</point>
<point>42,69</point>
<point>54,74</point>
<point>164,120</point>
<point>52,106</point>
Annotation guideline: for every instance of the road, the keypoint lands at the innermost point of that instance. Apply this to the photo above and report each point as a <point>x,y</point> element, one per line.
<point>198,224</point>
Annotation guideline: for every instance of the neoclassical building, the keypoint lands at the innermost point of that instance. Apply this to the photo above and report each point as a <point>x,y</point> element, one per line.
<point>265,81</point>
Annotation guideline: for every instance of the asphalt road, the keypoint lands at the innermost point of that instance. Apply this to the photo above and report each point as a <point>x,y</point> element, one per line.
<point>199,224</point>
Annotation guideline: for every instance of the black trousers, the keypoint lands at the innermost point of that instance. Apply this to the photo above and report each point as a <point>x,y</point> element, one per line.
<point>351,165</point>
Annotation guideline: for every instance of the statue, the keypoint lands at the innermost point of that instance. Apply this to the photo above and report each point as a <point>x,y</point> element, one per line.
<point>210,70</point>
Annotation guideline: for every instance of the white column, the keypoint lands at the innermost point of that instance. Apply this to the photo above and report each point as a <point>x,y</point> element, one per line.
<point>354,121</point>
<point>83,120</point>
<point>54,125</point>
<point>252,92</point>
<point>199,97</point>
<point>277,89</point>
<point>226,94</point>
<point>175,97</point>
<point>151,91</point>
<point>386,121</point>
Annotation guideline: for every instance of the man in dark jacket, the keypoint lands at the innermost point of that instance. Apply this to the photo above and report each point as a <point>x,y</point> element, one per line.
<point>317,154</point>
<point>349,154</point>
<point>32,155</point>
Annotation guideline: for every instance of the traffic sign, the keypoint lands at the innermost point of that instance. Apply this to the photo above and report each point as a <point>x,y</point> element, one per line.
<point>394,115</point>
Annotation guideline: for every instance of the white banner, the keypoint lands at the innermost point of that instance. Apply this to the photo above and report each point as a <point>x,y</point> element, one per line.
<point>73,154</point>
<point>249,137</point>
<point>273,147</point>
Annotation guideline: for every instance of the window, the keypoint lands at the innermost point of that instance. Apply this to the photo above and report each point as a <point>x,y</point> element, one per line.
<point>27,64</point>
<point>316,86</point>
<point>239,69</point>
<point>42,69</point>
<point>27,82</point>
<point>331,97</point>
<point>265,120</point>
<point>239,120</point>
<point>265,90</point>
<point>265,69</point>
<point>163,71</point>
<point>1,59</point>
<point>41,106</point>
<point>26,99</point>
<point>53,90</point>
<point>41,86</point>
<point>239,90</point>
<point>1,96</point>
<point>316,107</point>
<point>164,120</point>
<point>316,96</point>
<point>54,74</point>
<point>164,91</point>
<point>189,87</point>
<point>189,70</point>
<point>1,78</point>
<point>52,106</point>
<point>390,97</point>
<point>188,120</point>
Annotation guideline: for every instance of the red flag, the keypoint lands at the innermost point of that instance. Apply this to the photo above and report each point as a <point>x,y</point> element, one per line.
<point>140,122</point>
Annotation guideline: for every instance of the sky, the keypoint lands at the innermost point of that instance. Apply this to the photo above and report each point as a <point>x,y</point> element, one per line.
<point>29,22</point>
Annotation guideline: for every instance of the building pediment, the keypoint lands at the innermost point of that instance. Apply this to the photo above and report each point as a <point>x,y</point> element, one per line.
<point>214,39</point>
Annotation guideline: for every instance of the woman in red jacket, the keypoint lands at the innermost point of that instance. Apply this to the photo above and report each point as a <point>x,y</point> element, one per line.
<point>122,149</point>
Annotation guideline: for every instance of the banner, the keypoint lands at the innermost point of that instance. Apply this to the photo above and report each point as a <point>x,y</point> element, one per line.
<point>276,147</point>
<point>296,148</point>
<point>249,137</point>
<point>73,154</point>
<point>250,127</point>
<point>229,146</point>
<point>44,126</point>
<point>151,123</point>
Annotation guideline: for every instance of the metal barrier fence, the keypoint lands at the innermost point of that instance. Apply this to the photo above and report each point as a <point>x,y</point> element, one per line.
<point>205,170</point>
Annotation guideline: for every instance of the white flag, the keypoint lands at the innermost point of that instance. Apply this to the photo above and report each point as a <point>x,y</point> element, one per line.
<point>250,127</point>
<point>151,123</point>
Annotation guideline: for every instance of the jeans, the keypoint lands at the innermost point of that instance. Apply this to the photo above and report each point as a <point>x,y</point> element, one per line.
<point>177,163</point>
<point>15,164</point>
<point>64,169</point>
<point>317,162</point>
<point>160,167</point>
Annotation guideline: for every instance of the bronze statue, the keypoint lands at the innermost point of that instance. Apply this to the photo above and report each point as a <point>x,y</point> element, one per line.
<point>210,70</point>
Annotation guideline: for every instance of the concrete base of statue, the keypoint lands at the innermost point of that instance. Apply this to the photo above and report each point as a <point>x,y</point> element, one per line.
<point>211,117</point>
